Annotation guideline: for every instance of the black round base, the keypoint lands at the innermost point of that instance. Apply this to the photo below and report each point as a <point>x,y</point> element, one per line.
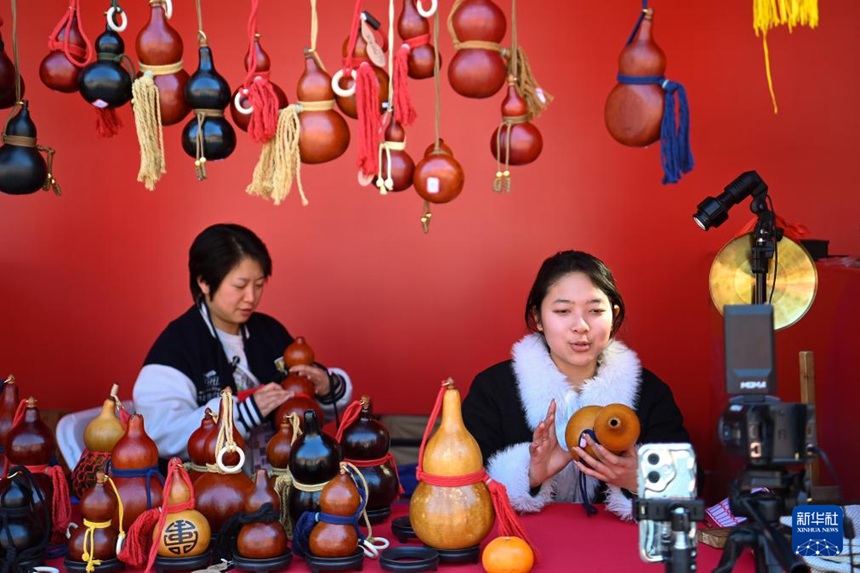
<point>401,527</point>
<point>263,565</point>
<point>353,562</point>
<point>107,565</point>
<point>409,559</point>
<point>466,555</point>
<point>379,514</point>
<point>182,563</point>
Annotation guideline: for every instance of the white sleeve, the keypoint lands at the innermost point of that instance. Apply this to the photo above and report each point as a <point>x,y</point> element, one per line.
<point>510,467</point>
<point>342,401</point>
<point>166,399</point>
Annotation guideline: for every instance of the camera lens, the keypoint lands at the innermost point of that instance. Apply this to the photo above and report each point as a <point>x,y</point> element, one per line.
<point>653,477</point>
<point>653,459</point>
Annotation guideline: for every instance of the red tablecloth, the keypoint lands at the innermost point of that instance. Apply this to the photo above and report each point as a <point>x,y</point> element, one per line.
<point>567,539</point>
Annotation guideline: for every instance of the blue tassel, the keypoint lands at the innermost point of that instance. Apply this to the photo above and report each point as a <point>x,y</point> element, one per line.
<point>302,532</point>
<point>675,152</point>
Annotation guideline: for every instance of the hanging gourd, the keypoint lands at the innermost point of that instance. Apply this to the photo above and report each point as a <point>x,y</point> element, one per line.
<point>362,56</point>
<point>278,452</point>
<point>221,491</point>
<point>303,399</point>
<point>259,99</point>
<point>365,442</point>
<point>179,534</point>
<point>208,135</point>
<point>92,547</point>
<point>417,49</point>
<point>8,78</point>
<point>280,159</point>
<point>438,177</point>
<point>768,14</point>
<point>323,133</point>
<point>23,170</point>
<point>455,502</point>
<point>25,520</point>
<point>70,50</point>
<point>516,141</point>
<point>478,68</point>
<point>159,92</point>
<point>31,443</point>
<point>198,456</point>
<point>134,472</point>
<point>640,109</point>
<point>361,88</point>
<point>159,49</point>
<point>9,401</point>
<point>100,436</point>
<point>106,82</point>
<point>314,460</point>
<point>396,167</point>
<point>241,109</point>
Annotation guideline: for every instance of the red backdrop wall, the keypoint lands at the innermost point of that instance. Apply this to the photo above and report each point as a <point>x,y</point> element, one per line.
<point>90,278</point>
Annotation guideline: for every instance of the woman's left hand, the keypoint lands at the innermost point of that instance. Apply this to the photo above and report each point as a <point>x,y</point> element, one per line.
<point>317,376</point>
<point>617,470</point>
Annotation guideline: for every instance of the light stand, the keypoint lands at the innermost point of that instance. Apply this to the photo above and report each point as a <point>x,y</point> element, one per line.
<point>765,237</point>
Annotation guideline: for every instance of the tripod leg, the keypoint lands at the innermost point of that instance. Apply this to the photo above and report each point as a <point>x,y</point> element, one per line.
<point>738,539</point>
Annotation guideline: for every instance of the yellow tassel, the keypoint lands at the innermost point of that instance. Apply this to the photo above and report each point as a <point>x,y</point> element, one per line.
<point>147,120</point>
<point>768,14</point>
<point>280,161</point>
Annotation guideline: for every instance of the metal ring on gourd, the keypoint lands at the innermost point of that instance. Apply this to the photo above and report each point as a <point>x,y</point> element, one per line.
<point>168,9</point>
<point>111,13</point>
<point>219,460</point>
<point>335,84</point>
<point>240,107</point>
<point>426,13</point>
<point>69,529</point>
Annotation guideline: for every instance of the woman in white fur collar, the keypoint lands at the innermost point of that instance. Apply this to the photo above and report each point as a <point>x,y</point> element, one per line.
<point>517,409</point>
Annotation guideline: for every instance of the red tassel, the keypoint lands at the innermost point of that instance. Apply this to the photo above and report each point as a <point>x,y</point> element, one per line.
<point>61,510</point>
<point>107,122</point>
<point>404,111</point>
<point>367,104</point>
<point>135,551</point>
<point>350,415</point>
<point>506,518</point>
<point>264,118</point>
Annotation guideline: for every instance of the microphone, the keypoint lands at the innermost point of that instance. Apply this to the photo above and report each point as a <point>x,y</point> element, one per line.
<point>714,211</point>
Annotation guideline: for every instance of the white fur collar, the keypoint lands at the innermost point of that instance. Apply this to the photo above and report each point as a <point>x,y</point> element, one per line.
<point>539,380</point>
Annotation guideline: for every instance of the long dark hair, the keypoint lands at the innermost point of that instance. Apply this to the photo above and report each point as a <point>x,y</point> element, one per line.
<point>217,250</point>
<point>564,263</point>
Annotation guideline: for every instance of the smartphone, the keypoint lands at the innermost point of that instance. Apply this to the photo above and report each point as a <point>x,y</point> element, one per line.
<point>666,472</point>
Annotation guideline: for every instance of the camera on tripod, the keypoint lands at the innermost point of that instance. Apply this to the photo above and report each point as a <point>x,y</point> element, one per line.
<point>774,438</point>
<point>756,425</point>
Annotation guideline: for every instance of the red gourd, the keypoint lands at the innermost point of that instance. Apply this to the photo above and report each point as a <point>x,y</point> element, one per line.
<point>634,113</point>
<point>476,71</point>
<point>159,50</point>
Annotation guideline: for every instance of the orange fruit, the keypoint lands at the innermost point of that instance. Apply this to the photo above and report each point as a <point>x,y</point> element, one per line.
<point>508,555</point>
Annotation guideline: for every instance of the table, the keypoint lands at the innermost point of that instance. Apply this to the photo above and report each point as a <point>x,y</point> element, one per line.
<point>567,539</point>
